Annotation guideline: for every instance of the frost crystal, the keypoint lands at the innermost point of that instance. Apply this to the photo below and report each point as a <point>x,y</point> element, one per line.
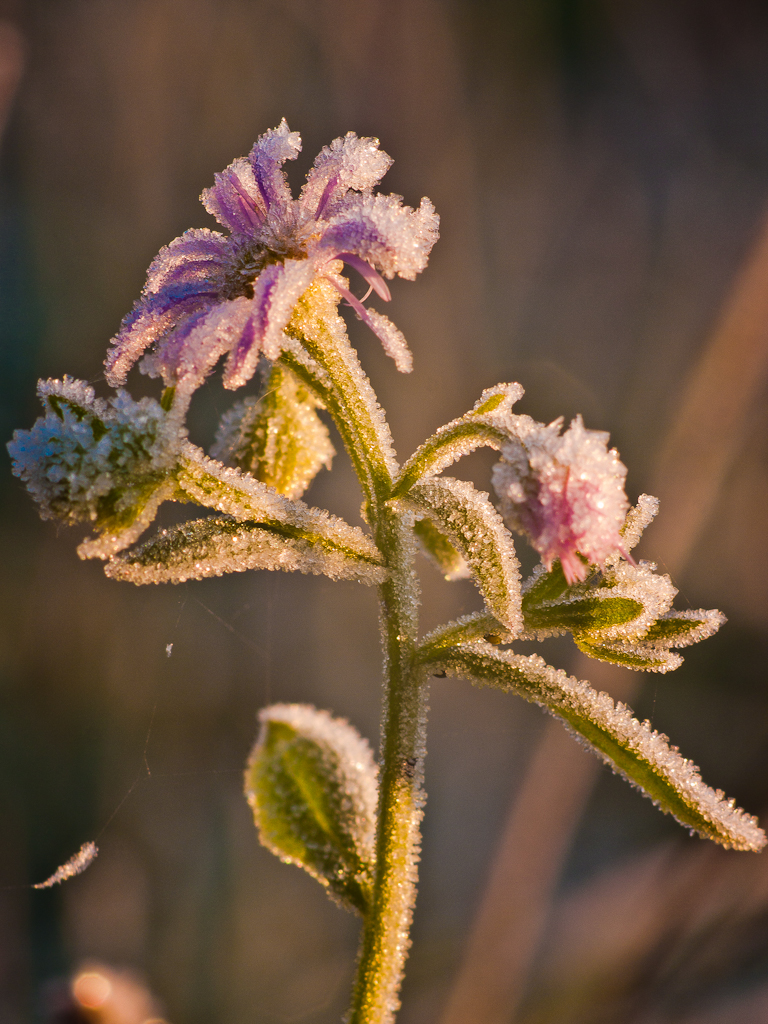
<point>76,865</point>
<point>208,294</point>
<point>103,462</point>
<point>564,491</point>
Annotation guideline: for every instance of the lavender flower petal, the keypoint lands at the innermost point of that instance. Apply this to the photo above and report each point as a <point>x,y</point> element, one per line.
<point>152,317</point>
<point>277,290</point>
<point>267,157</point>
<point>366,271</point>
<point>380,230</point>
<point>199,255</point>
<point>235,199</point>
<point>391,338</point>
<point>348,163</point>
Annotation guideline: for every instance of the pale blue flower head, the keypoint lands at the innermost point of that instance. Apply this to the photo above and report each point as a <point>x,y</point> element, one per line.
<point>208,294</point>
<point>90,460</point>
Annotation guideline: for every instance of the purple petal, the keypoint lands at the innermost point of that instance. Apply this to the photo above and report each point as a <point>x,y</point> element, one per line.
<point>380,230</point>
<point>197,256</point>
<point>187,357</point>
<point>348,163</point>
<point>267,157</point>
<point>276,291</point>
<point>235,199</point>
<point>392,339</point>
<point>151,318</point>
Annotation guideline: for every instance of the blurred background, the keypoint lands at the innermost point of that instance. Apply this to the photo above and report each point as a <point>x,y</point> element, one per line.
<point>601,171</point>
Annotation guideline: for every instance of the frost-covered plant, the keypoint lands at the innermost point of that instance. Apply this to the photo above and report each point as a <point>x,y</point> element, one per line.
<point>267,294</point>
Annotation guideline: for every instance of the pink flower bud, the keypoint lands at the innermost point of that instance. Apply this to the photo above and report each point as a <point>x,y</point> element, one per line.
<point>564,491</point>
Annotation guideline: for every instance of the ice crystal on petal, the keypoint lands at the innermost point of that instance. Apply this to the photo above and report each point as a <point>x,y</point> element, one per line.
<point>103,462</point>
<point>564,491</point>
<point>208,294</point>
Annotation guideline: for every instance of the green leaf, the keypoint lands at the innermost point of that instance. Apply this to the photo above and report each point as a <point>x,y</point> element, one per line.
<point>278,438</point>
<point>476,626</point>
<point>544,586</point>
<point>217,545</point>
<point>633,749</point>
<point>476,530</point>
<point>311,783</point>
<point>637,656</point>
<point>681,629</point>
<point>653,651</point>
<point>436,546</point>
<point>486,424</point>
<point>583,614</point>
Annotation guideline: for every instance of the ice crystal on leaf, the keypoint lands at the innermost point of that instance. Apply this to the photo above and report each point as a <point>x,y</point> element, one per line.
<point>311,783</point>
<point>632,748</point>
<point>279,438</point>
<point>564,491</point>
<point>208,294</point>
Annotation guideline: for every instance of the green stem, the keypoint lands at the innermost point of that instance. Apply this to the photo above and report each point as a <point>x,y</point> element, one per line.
<point>385,940</point>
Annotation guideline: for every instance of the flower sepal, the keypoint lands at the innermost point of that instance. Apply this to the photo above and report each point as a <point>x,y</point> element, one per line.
<point>278,438</point>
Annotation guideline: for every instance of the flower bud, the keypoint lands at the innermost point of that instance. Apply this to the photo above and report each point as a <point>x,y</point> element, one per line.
<point>564,491</point>
<point>90,460</point>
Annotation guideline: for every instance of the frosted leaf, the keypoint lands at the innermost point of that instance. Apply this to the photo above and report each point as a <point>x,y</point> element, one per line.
<point>278,438</point>
<point>638,519</point>
<point>564,492</point>
<point>216,545</point>
<point>488,423</point>
<point>475,528</point>
<point>620,604</point>
<point>464,630</point>
<point>681,629</point>
<point>76,865</point>
<point>435,546</point>
<point>108,463</point>
<point>632,748</point>
<point>311,783</point>
<point>653,651</point>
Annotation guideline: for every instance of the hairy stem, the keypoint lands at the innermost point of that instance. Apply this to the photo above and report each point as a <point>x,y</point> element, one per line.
<point>385,938</point>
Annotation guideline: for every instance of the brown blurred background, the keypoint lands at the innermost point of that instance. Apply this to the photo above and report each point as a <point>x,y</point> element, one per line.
<point>601,171</point>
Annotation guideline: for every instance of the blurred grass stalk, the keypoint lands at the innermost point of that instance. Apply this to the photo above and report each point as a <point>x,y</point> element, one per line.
<point>702,444</point>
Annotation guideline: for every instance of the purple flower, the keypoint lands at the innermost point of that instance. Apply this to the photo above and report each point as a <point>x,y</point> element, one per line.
<point>208,294</point>
<point>565,492</point>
